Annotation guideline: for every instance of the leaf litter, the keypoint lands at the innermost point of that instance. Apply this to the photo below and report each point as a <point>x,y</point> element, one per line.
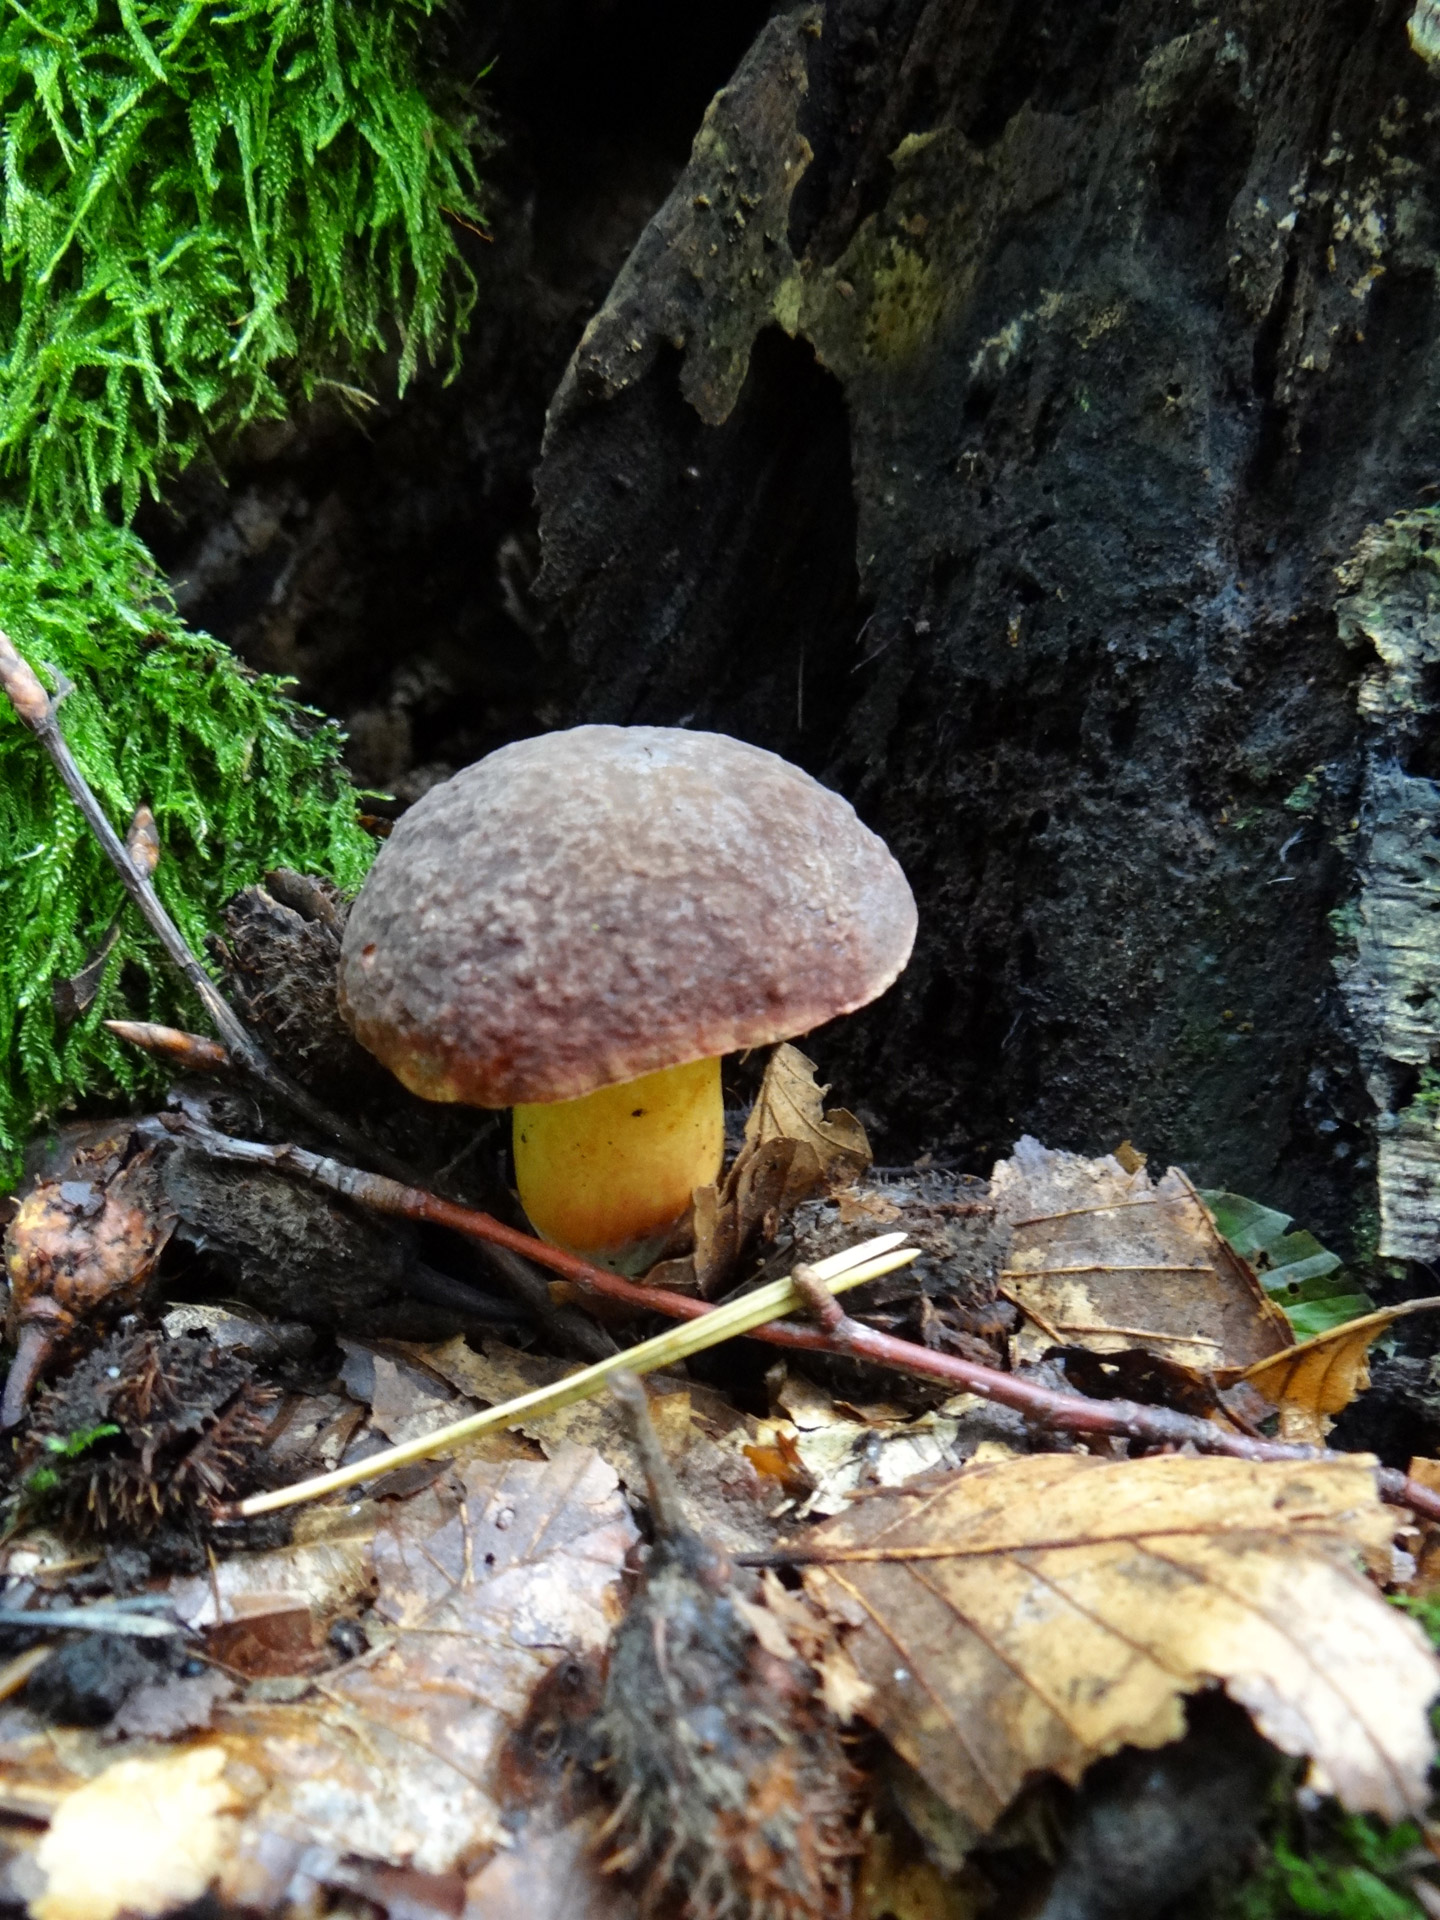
<point>1035,1614</point>
<point>994,1613</point>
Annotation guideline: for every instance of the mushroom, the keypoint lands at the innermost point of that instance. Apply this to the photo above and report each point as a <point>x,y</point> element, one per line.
<point>580,925</point>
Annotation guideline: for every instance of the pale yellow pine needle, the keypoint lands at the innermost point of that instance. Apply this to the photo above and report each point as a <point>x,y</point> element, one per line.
<point>840,1272</point>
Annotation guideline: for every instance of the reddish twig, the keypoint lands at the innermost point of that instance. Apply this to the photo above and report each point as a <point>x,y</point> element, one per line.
<point>837,1333</point>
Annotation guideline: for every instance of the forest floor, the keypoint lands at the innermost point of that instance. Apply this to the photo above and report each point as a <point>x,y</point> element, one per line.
<point>1019,1580</point>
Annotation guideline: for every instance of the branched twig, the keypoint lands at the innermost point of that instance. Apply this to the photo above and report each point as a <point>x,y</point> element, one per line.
<point>240,1051</point>
<point>837,1333</point>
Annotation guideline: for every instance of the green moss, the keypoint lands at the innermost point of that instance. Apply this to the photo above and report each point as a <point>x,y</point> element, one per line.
<point>208,208</point>
<point>907,298</point>
<point>1354,1869</point>
<point>239,779</point>
<point>211,208</point>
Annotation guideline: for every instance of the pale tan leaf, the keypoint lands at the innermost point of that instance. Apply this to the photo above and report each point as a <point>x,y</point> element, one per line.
<point>503,1373</point>
<point>145,1837</point>
<point>1312,1382</point>
<point>1033,1614</point>
<point>791,1106</point>
<point>1103,1257</point>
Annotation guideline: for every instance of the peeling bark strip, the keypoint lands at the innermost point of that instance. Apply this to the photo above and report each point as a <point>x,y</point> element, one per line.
<point>714,265</point>
<point>1391,980</point>
<point>997,471</point>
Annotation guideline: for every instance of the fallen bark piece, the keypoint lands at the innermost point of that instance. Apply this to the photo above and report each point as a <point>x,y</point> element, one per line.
<point>1034,1614</point>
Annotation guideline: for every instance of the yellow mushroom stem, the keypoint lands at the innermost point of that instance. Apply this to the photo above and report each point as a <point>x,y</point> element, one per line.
<point>609,1174</point>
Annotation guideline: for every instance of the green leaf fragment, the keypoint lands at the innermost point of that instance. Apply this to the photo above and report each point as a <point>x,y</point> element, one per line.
<point>1303,1278</point>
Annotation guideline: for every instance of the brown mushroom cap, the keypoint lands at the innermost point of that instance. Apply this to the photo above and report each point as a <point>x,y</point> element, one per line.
<point>581,908</point>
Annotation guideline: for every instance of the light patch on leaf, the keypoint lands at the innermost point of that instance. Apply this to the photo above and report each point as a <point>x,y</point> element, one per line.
<point>145,1837</point>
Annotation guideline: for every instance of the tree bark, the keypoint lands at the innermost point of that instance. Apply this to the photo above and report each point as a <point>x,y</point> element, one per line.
<point>991,420</point>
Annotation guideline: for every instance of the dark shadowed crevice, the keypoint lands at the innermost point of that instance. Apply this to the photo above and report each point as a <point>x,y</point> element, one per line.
<point>741,608</point>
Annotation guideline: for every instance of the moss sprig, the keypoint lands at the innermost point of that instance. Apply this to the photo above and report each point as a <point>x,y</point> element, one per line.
<point>209,208</point>
<point>239,777</point>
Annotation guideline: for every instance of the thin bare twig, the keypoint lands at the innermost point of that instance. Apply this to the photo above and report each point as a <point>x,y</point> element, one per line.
<point>22,686</point>
<point>1046,1407</point>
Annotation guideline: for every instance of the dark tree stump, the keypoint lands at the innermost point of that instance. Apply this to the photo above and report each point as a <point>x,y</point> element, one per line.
<point>982,422</point>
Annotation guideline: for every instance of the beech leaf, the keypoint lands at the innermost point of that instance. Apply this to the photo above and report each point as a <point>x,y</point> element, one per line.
<point>1311,1382</point>
<point>1109,1259</point>
<point>1036,1613</point>
<point>1299,1275</point>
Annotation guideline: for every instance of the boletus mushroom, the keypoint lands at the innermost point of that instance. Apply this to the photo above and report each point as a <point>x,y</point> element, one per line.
<point>580,925</point>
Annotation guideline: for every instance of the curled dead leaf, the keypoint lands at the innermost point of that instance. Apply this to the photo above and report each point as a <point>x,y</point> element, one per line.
<point>1315,1380</point>
<point>793,1151</point>
<point>1036,1613</point>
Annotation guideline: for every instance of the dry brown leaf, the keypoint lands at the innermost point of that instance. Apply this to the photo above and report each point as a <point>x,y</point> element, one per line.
<point>793,1151</point>
<point>1312,1382</point>
<point>1108,1259</point>
<point>147,1836</point>
<point>502,1373</point>
<point>1037,1613</point>
<point>791,1106</point>
<point>171,1707</point>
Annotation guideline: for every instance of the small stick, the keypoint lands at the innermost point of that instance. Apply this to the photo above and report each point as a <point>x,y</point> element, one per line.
<point>1047,1407</point>
<point>22,686</point>
<point>191,1052</point>
<point>666,1507</point>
